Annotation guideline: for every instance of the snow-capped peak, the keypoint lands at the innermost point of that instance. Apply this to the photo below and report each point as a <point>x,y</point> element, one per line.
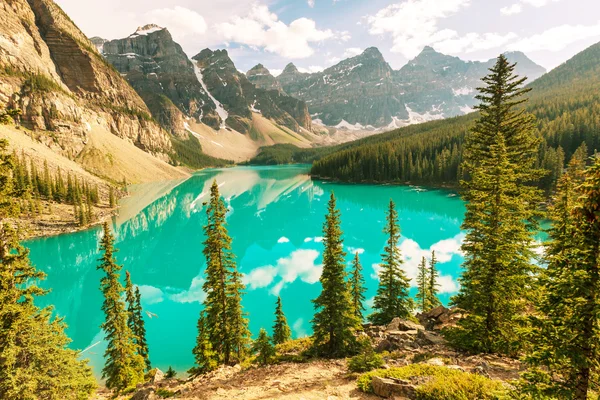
<point>147,29</point>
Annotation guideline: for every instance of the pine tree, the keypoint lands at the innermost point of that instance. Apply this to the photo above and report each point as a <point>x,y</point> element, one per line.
<point>35,362</point>
<point>566,335</point>
<point>423,286</point>
<point>205,358</point>
<point>357,289</point>
<point>432,285</point>
<point>499,159</point>
<point>334,319</point>
<point>171,373</point>
<point>123,367</point>
<point>281,330</point>
<point>223,318</point>
<point>135,318</point>
<point>263,348</point>
<point>392,299</point>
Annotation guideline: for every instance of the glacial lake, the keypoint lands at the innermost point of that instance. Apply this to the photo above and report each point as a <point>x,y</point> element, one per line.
<point>275,218</point>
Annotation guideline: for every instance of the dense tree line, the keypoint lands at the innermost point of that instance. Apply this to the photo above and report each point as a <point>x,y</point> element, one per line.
<point>564,102</point>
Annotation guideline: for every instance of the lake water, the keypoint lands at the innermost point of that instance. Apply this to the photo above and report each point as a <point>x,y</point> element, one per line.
<point>275,219</point>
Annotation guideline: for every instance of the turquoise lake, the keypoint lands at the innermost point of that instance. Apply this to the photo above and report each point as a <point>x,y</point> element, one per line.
<point>275,219</point>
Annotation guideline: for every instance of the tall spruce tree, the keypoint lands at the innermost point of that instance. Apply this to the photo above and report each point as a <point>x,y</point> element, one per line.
<point>135,318</point>
<point>357,289</point>
<point>35,362</point>
<point>432,285</point>
<point>124,367</point>
<point>392,299</point>
<point>566,335</point>
<point>263,348</point>
<point>499,161</point>
<point>423,286</point>
<point>223,318</point>
<point>281,330</point>
<point>334,319</point>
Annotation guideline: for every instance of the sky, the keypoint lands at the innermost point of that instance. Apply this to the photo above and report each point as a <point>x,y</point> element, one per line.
<point>316,34</point>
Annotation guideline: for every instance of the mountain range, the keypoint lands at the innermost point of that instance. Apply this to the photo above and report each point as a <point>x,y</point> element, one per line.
<point>365,93</point>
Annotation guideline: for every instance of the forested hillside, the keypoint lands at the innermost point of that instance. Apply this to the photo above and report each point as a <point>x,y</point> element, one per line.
<point>565,102</point>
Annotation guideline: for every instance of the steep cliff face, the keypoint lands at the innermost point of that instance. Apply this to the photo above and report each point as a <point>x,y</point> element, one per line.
<point>164,77</point>
<point>240,97</point>
<point>50,70</point>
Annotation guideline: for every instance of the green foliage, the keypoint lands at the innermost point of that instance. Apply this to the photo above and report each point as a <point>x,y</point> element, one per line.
<point>223,335</point>
<point>164,393</point>
<point>499,159</point>
<point>35,361</point>
<point>40,83</point>
<point>366,361</point>
<point>189,152</point>
<point>263,348</point>
<point>135,319</point>
<point>287,154</point>
<point>123,367</point>
<point>443,383</point>
<point>392,299</point>
<point>427,286</point>
<point>171,373</point>
<point>281,330</point>
<point>357,289</point>
<point>566,335</point>
<point>334,320</point>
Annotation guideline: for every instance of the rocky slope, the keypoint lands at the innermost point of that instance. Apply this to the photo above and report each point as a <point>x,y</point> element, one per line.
<point>54,74</point>
<point>365,93</point>
<point>240,97</point>
<point>261,77</point>
<point>164,77</point>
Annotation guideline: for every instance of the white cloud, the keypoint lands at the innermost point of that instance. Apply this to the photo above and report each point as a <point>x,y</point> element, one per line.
<point>354,250</point>
<point>150,294</point>
<point>283,239</point>
<point>300,264</point>
<point>275,72</point>
<point>516,8</point>
<point>194,294</point>
<point>474,42</point>
<point>298,328</point>
<point>512,9</point>
<point>311,3</point>
<point>263,29</point>
<point>413,23</point>
<point>412,255</point>
<point>352,52</point>
<point>180,21</point>
<point>557,38</point>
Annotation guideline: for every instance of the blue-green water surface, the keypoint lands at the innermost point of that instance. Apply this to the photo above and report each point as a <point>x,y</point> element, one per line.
<point>275,218</point>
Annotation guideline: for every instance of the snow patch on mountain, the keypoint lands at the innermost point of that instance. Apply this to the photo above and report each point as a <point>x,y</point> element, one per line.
<point>220,109</point>
<point>146,30</point>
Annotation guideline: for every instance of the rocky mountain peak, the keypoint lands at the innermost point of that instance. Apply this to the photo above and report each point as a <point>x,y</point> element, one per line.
<point>290,69</point>
<point>262,78</point>
<point>372,52</point>
<point>217,58</point>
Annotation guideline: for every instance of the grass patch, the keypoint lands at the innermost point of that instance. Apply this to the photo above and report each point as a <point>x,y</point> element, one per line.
<point>297,350</point>
<point>189,152</point>
<point>444,383</point>
<point>164,393</point>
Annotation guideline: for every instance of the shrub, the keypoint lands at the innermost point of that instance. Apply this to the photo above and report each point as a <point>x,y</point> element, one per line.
<point>445,383</point>
<point>295,346</point>
<point>365,362</point>
<point>164,393</point>
<point>171,373</point>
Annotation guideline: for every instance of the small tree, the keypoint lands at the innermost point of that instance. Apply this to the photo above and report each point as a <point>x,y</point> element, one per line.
<point>392,299</point>
<point>135,319</point>
<point>171,373</point>
<point>263,348</point>
<point>357,289</point>
<point>432,287</point>
<point>281,330</point>
<point>334,320</point>
<point>205,357</point>
<point>123,367</point>
<point>423,286</point>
